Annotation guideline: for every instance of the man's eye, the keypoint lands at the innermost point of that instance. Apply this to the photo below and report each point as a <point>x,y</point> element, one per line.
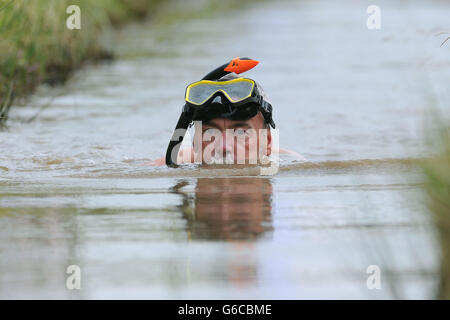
<point>240,132</point>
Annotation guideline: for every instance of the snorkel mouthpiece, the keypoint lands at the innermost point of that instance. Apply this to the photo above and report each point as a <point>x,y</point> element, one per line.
<point>241,65</point>
<point>236,65</point>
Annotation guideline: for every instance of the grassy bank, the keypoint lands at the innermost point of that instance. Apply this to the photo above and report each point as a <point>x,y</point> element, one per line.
<point>36,46</point>
<point>437,173</point>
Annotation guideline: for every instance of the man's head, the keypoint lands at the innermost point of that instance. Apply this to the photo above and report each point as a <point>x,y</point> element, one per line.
<point>234,113</point>
<point>233,134</point>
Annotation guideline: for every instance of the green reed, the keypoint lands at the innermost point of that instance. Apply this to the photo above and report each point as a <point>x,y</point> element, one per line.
<point>437,186</point>
<point>36,46</point>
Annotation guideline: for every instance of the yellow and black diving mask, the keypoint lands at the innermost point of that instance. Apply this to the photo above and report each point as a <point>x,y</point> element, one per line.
<point>237,91</point>
<point>236,99</point>
<point>217,96</point>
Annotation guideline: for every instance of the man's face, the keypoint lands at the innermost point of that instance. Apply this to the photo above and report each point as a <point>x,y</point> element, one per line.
<point>239,141</point>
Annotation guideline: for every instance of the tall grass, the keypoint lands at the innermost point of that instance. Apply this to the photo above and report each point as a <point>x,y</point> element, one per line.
<point>437,173</point>
<point>36,46</point>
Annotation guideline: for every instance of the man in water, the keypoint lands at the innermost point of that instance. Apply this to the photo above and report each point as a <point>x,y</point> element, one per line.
<point>232,118</point>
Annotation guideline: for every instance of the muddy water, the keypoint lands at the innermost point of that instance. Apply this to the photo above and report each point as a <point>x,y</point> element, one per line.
<point>74,188</point>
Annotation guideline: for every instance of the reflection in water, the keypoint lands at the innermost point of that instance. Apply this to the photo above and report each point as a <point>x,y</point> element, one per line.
<point>228,208</point>
<point>237,210</point>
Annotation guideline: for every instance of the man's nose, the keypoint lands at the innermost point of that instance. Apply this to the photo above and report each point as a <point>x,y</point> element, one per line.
<point>226,144</point>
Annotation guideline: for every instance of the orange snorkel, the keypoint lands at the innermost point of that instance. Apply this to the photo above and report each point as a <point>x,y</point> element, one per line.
<point>237,65</point>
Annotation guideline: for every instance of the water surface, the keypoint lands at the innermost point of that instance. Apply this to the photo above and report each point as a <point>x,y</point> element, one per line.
<point>74,187</point>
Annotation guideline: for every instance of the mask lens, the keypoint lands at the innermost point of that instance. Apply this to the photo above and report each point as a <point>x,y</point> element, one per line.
<point>235,91</point>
